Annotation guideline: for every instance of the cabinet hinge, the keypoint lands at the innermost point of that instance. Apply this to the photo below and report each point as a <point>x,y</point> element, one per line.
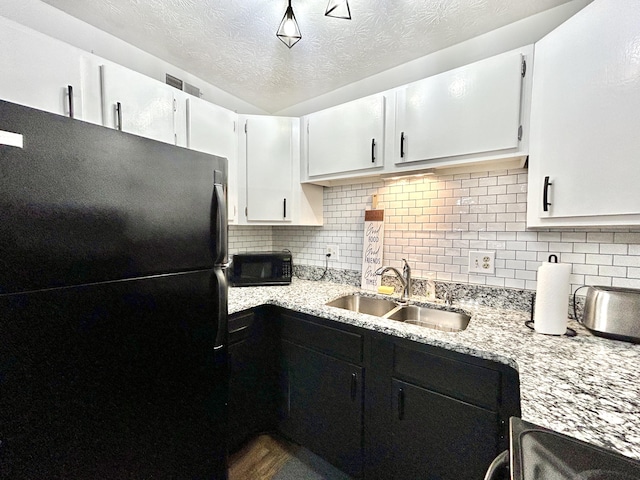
<point>234,126</point>
<point>245,127</point>
<point>246,211</point>
<point>520,133</point>
<point>307,128</point>
<point>523,69</point>
<point>175,105</point>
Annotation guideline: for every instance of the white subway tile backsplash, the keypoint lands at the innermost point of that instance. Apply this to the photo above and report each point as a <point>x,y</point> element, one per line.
<point>514,283</point>
<point>487,180</point>
<point>574,236</point>
<point>625,282</point>
<point>614,248</point>
<point>435,221</point>
<point>597,280</point>
<point>497,208</point>
<point>633,272</point>
<point>585,269</point>
<point>573,258</point>
<point>627,261</point>
<point>627,238</point>
<point>527,236</point>
<point>608,271</point>
<point>599,237</point>
<point>586,248</point>
<point>559,247</point>
<point>599,259</point>
<point>497,190</point>
<point>507,179</point>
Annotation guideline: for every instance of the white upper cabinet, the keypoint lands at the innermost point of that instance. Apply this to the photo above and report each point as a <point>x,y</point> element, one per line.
<point>346,138</point>
<point>269,151</point>
<point>585,120</point>
<point>137,104</point>
<point>212,129</point>
<point>469,110</point>
<point>38,71</point>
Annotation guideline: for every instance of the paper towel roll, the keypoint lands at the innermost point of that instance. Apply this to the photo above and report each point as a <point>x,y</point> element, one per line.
<point>552,298</point>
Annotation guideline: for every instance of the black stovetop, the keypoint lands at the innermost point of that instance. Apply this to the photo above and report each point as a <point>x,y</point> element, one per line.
<point>538,453</point>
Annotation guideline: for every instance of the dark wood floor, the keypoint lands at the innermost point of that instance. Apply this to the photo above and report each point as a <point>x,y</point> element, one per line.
<point>260,459</point>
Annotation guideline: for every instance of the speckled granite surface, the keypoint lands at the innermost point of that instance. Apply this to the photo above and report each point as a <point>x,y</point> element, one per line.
<point>586,387</point>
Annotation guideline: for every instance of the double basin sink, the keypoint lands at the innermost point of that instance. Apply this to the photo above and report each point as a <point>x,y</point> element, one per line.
<point>444,320</point>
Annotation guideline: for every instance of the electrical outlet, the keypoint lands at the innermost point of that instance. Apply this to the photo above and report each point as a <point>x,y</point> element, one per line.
<point>482,262</point>
<point>334,251</point>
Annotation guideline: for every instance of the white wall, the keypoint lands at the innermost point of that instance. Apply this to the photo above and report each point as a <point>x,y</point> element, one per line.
<point>55,23</point>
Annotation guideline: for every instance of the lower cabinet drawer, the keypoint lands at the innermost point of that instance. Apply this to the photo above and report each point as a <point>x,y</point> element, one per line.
<point>332,341</point>
<point>464,381</point>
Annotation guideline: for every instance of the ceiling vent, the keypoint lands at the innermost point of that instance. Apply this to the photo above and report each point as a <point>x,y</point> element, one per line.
<point>184,86</point>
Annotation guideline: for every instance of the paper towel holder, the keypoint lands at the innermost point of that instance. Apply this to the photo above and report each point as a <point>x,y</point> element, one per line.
<point>529,323</point>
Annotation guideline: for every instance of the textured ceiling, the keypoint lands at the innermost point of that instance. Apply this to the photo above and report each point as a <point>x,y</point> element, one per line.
<point>232,44</point>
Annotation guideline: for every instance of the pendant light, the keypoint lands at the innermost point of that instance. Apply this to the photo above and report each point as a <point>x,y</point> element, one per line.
<point>338,9</point>
<point>288,30</point>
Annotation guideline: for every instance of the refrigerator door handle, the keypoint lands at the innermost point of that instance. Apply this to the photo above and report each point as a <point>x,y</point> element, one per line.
<point>220,283</point>
<point>219,225</point>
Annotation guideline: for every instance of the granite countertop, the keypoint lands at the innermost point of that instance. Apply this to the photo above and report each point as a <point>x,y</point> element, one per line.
<point>585,386</point>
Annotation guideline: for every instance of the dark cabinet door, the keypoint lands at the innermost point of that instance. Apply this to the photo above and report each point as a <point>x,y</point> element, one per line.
<point>252,396</point>
<point>436,437</point>
<point>321,405</point>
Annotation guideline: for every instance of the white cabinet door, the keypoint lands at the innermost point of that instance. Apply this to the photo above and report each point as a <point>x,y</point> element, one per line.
<point>212,129</point>
<point>269,162</point>
<point>137,104</point>
<point>471,109</point>
<point>346,138</point>
<point>585,120</point>
<point>37,71</point>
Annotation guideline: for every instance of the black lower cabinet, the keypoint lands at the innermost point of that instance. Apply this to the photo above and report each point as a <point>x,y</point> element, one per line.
<point>375,406</point>
<point>437,437</point>
<point>322,406</point>
<point>446,417</point>
<point>321,391</point>
<point>252,367</point>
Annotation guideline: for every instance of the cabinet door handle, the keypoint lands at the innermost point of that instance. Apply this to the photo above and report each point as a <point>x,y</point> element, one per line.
<point>400,404</point>
<point>373,150</point>
<point>402,145</point>
<point>545,194</point>
<point>354,386</point>
<point>70,93</point>
<point>119,116</point>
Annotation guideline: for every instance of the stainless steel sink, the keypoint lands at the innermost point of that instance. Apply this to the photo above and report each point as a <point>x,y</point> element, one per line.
<point>361,304</point>
<point>444,320</point>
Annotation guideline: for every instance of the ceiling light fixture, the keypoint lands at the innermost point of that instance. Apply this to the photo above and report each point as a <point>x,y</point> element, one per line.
<point>288,31</point>
<point>338,9</point>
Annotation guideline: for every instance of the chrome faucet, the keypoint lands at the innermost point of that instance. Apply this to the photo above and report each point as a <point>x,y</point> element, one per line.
<point>404,277</point>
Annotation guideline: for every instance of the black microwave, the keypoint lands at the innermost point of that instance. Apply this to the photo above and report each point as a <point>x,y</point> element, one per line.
<point>261,268</point>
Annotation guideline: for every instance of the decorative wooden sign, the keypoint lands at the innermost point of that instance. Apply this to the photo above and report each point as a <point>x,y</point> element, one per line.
<point>372,249</point>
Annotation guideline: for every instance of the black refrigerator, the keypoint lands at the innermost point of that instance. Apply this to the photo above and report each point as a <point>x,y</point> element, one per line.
<point>113,304</point>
